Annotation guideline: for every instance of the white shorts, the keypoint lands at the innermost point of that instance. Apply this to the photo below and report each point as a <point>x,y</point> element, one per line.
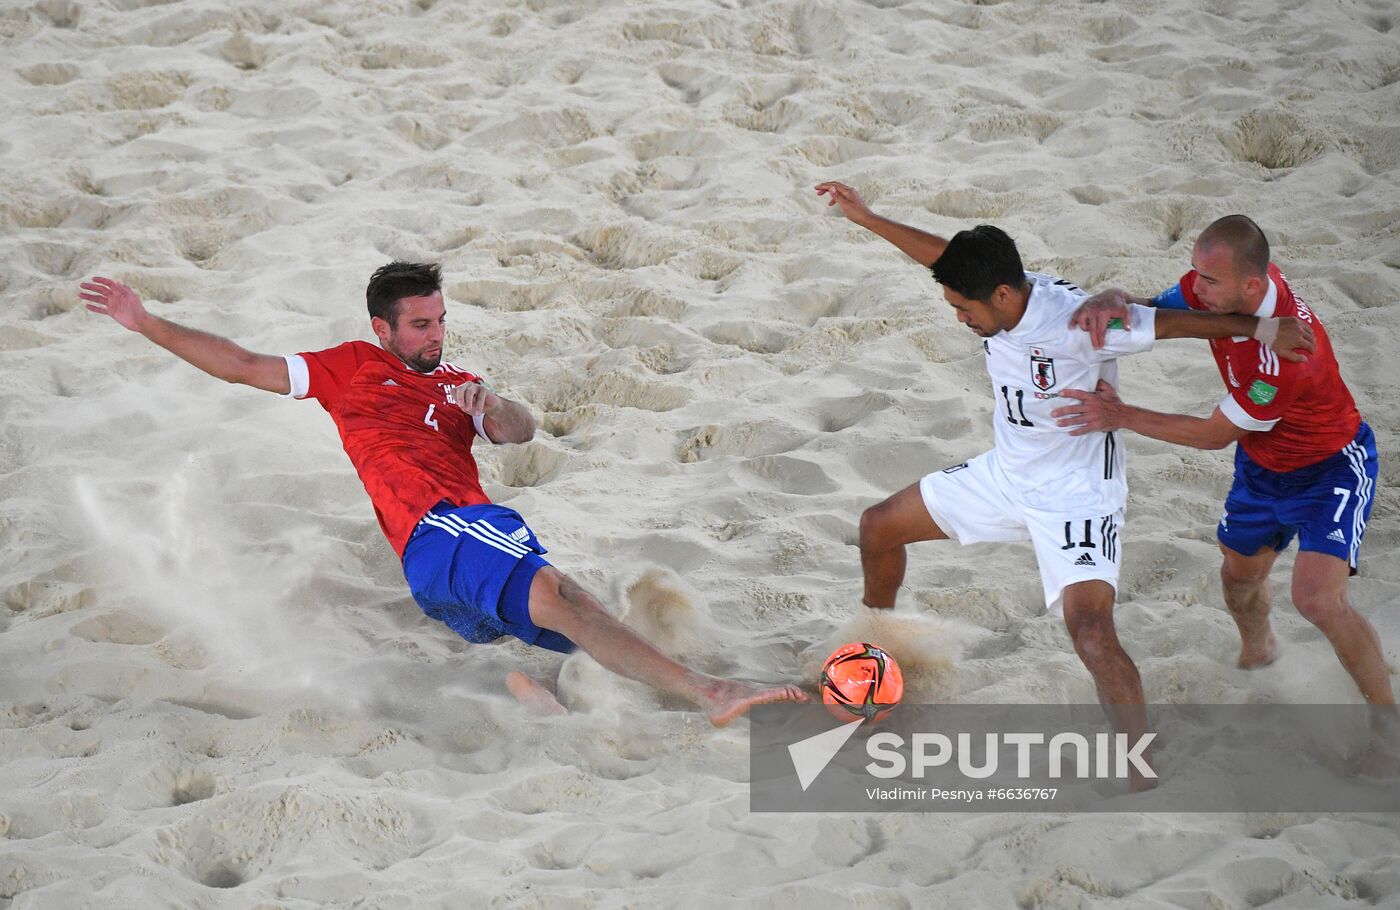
<point>973,503</point>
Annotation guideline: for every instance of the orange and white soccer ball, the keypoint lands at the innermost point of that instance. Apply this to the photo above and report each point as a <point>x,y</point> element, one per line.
<point>861,680</point>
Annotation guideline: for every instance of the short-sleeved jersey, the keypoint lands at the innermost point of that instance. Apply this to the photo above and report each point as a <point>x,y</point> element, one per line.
<point>1297,413</point>
<point>409,443</point>
<point>1029,366</point>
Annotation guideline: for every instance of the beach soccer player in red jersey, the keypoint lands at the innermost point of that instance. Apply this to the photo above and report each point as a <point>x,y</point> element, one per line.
<point>407,421</point>
<point>1305,463</point>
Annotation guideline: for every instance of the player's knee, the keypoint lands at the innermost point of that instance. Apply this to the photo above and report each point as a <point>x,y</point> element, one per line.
<point>557,603</point>
<point>1241,578</point>
<point>1321,608</point>
<point>875,529</point>
<point>1095,640</point>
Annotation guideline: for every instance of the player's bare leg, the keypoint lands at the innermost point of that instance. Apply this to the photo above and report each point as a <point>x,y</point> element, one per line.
<point>1088,609</point>
<point>557,603</point>
<point>533,695</point>
<point>1320,595</point>
<point>1245,583</point>
<point>885,529</point>
<point>1382,758</point>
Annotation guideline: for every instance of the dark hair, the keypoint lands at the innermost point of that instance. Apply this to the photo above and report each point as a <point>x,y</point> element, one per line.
<point>977,261</point>
<point>391,283</point>
<point>1245,240</point>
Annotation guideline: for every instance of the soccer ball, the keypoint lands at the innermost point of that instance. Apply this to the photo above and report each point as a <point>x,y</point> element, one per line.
<point>860,680</point>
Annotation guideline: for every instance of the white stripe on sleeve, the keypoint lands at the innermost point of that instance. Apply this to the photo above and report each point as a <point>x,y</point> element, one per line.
<point>480,424</point>
<point>298,375</point>
<point>1241,418</point>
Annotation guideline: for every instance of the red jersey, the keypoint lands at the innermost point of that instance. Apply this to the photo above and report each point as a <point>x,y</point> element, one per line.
<point>409,443</point>
<point>1298,413</point>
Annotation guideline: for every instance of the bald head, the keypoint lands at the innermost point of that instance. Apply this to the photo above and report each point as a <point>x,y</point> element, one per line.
<point>1249,248</point>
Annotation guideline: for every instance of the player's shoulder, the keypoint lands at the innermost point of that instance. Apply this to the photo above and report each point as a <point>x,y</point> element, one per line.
<point>345,347</point>
<point>1287,301</point>
<point>1054,285</point>
<point>1053,297</point>
<point>355,351</point>
<point>1053,301</point>
<point>343,359</point>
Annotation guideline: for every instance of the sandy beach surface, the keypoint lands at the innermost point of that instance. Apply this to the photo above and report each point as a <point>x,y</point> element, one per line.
<point>215,691</point>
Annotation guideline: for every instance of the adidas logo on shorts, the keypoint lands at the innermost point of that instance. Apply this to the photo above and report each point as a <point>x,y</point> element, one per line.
<point>1338,536</point>
<point>1085,560</point>
<point>520,534</point>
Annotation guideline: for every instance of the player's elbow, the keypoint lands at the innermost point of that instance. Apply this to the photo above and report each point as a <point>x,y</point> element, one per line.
<point>239,371</point>
<point>260,371</point>
<point>1220,437</point>
<point>516,430</point>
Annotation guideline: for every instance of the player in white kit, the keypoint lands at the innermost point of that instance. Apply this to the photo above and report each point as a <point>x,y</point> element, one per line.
<point>1064,493</point>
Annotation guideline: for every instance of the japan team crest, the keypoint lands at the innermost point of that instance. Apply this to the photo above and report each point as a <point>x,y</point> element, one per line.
<point>1042,372</point>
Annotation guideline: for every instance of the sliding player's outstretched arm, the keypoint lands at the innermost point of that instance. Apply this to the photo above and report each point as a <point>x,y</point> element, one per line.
<point>216,356</point>
<point>502,419</point>
<point>920,246</point>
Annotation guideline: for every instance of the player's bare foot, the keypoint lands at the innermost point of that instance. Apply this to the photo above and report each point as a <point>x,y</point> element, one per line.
<point>1261,654</point>
<point>534,696</point>
<point>729,700</point>
<point>1139,784</point>
<point>1382,759</point>
<point>1379,762</point>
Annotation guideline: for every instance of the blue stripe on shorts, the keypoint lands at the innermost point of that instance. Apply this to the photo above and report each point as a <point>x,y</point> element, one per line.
<point>1326,505</point>
<point>471,568</point>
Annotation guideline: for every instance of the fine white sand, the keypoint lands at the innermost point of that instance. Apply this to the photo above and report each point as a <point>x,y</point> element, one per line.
<point>215,691</point>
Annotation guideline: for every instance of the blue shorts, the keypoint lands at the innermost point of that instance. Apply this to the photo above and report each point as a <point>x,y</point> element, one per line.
<point>471,568</point>
<point>1325,504</point>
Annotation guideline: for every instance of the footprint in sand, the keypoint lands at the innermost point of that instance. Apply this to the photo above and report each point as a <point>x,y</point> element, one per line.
<point>48,73</point>
<point>1275,140</point>
<point>62,13</point>
<point>119,628</point>
<point>752,336</point>
<point>681,143</point>
<point>618,389</point>
<point>692,82</point>
<point>836,414</point>
<point>531,465</point>
<point>626,246</point>
<point>785,474</point>
<point>1175,218</point>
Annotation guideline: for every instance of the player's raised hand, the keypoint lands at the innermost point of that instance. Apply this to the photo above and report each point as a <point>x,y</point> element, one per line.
<point>1294,340</point>
<point>475,399</point>
<point>852,206</point>
<point>1095,313</point>
<point>112,298</point>
<point>1092,412</point>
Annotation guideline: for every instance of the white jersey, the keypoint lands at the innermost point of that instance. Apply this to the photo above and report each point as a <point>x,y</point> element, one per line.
<point>1044,466</point>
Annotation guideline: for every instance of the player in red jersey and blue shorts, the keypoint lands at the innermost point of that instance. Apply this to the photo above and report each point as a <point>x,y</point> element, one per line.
<point>1305,465</point>
<point>407,421</point>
